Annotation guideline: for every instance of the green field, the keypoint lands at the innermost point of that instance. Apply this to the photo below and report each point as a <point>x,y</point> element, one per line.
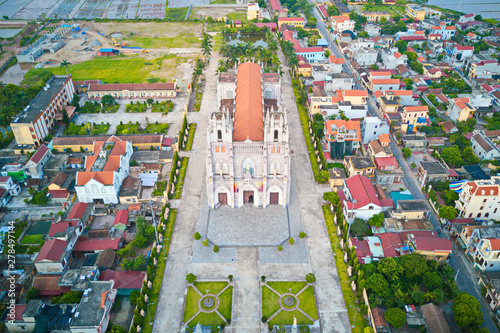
<point>223,292</point>
<point>108,70</point>
<point>392,9</point>
<point>187,40</point>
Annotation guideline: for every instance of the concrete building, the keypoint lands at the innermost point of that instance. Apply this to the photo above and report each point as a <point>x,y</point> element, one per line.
<point>352,103</point>
<point>364,56</point>
<point>391,58</point>
<point>139,142</point>
<point>342,23</point>
<point>483,147</point>
<point>484,69</point>
<point>460,109</point>
<point>297,22</point>
<point>34,167</point>
<point>456,55</point>
<point>372,128</point>
<point>484,248</point>
<point>466,18</point>
<point>249,157</point>
<point>359,165</point>
<point>414,117</point>
<point>253,11</point>
<point>104,172</point>
<point>275,9</point>
<point>132,90</point>
<point>431,171</point>
<point>446,32</point>
<point>415,11</point>
<point>36,121</point>
<point>311,54</point>
<point>480,199</point>
<point>342,137</point>
<point>53,257</point>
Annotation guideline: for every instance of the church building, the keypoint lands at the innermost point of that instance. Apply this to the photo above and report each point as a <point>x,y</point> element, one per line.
<point>248,160</point>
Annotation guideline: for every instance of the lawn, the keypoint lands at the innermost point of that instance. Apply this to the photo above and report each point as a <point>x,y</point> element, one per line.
<point>345,283</point>
<point>108,70</point>
<point>180,181</point>
<point>223,2</point>
<point>161,106</point>
<point>136,107</point>
<point>287,287</point>
<point>242,16</point>
<point>187,41</point>
<point>387,8</point>
<point>212,318</point>
<point>86,129</point>
<point>175,14</point>
<point>287,317</point>
<point>307,303</point>
<point>270,302</point>
<point>160,268</point>
<point>136,128</point>
<point>492,21</point>
<point>32,239</point>
<point>189,143</point>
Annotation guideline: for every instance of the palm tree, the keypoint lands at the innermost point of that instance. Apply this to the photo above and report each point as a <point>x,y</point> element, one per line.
<point>65,64</point>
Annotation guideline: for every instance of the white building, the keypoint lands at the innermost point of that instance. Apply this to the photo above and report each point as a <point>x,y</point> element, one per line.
<point>466,18</point>
<point>392,58</point>
<point>480,199</point>
<point>34,167</point>
<point>483,147</point>
<point>248,160</point>
<point>342,23</point>
<point>364,56</point>
<point>372,128</point>
<point>456,55</point>
<point>104,172</point>
<point>446,32</point>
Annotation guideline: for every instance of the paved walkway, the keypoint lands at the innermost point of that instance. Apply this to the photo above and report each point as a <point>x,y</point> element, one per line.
<point>172,294</point>
<point>330,302</point>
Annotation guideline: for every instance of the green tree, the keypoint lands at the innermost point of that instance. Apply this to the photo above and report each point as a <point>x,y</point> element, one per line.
<point>311,22</point>
<point>32,293</point>
<point>377,283</point>
<point>468,156</point>
<point>332,10</point>
<point>376,220</point>
<point>71,297</point>
<point>115,329</point>
<point>406,152</point>
<point>134,296</point>
<point>65,118</point>
<point>478,18</point>
<point>467,310</point>
<point>447,212</point>
<point>197,235</point>
<point>310,278</point>
<point>191,278</point>
<point>358,227</point>
<point>108,100</point>
<point>396,317</point>
<point>389,268</point>
<point>368,329</point>
<point>65,64</point>
<point>452,156</point>
<point>432,280</point>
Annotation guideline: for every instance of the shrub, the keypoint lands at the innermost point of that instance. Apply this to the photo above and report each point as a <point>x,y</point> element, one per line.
<point>310,278</point>
<point>197,236</point>
<point>32,293</point>
<point>230,277</point>
<point>205,243</point>
<point>263,278</point>
<point>264,319</point>
<point>134,296</point>
<point>302,235</point>
<point>280,248</point>
<point>216,248</point>
<point>191,278</point>
<point>396,317</point>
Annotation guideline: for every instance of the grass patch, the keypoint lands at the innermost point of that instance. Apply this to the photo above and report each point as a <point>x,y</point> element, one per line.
<point>207,319</point>
<point>190,139</point>
<point>214,287</point>
<point>226,303</point>
<point>162,262</point>
<point>287,287</point>
<point>176,14</point>
<point>345,283</point>
<point>136,107</point>
<point>191,308</point>
<point>109,70</point>
<point>156,128</point>
<point>270,302</point>
<point>287,317</point>
<point>223,2</point>
<point>86,129</point>
<point>307,302</point>
<point>492,21</point>
<point>32,239</point>
<point>387,8</point>
<point>242,16</point>
<point>164,106</point>
<point>136,128</point>
<point>188,40</point>
<point>180,181</point>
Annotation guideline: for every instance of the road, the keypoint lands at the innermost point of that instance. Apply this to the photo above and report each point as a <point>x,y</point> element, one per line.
<point>466,278</point>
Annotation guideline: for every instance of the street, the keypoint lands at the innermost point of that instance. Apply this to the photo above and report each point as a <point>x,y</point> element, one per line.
<point>465,280</point>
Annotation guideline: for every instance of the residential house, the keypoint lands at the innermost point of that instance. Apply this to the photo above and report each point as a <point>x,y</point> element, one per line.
<point>21,317</point>
<point>342,81</point>
<point>342,137</point>
<point>367,249</point>
<point>431,248</point>
<point>34,167</point>
<point>456,54</point>
<point>275,9</point>
<point>491,282</point>
<point>416,142</point>
<point>342,23</point>
<point>253,11</point>
<point>484,249</point>
<point>446,32</point>
<point>93,313</point>
<point>483,147</point>
<point>8,185</point>
<point>435,321</point>
<point>47,285</point>
<point>378,149</point>
<point>379,321</point>
<point>359,165</point>
<point>466,18</point>
<point>121,220</point>
<point>311,54</point>
<point>130,192</point>
<point>337,177</point>
<point>139,142</point>
<point>482,69</point>
<point>415,11</point>
<point>82,212</point>
<point>104,172</point>
<point>460,109</point>
<point>364,56</point>
<point>431,171</point>
<point>96,245</point>
<point>335,64</point>
<point>413,117</point>
<point>296,22</point>
<point>124,281</point>
<point>382,81</point>
<point>373,128</point>
<point>75,162</point>
<point>372,29</point>
<point>53,257</point>
<point>391,58</point>
<point>359,199</point>
<point>480,199</point>
<point>36,121</point>
<point>376,16</point>
<point>388,170</point>
<point>351,103</point>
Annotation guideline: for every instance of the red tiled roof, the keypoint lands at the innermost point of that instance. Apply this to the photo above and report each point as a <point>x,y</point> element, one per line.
<point>48,285</point>
<point>60,227</point>
<point>248,123</point>
<point>386,161</point>
<point>52,250</point>
<point>416,108</point>
<point>495,243</point>
<point>378,317</point>
<point>124,279</point>
<point>362,248</point>
<point>479,189</point>
<point>40,153</point>
<point>4,179</point>
<point>362,191</point>
<point>362,93</point>
<point>452,173</point>
<point>121,217</point>
<point>385,81</point>
<point>98,244</point>
<point>19,309</point>
<point>433,244</point>
<point>77,211</point>
<point>59,194</point>
<point>391,241</point>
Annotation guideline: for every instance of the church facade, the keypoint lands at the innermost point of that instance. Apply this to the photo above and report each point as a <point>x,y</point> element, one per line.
<point>248,159</point>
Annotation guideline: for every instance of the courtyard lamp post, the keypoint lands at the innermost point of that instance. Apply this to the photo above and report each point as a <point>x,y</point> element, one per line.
<point>149,313</point>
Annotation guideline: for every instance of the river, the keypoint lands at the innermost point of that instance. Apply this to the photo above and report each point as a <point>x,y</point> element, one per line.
<point>485,8</point>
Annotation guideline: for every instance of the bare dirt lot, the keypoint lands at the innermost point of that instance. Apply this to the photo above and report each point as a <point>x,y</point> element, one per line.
<point>214,12</point>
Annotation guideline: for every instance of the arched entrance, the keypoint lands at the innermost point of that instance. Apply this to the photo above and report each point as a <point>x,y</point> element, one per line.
<point>248,197</point>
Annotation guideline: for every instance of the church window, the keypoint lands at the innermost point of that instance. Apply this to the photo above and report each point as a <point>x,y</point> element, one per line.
<point>275,135</point>
<point>217,149</point>
<point>95,190</point>
<point>278,150</point>
<point>268,94</point>
<point>223,149</point>
<point>248,166</point>
<point>219,135</point>
<point>229,94</point>
<point>103,190</point>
